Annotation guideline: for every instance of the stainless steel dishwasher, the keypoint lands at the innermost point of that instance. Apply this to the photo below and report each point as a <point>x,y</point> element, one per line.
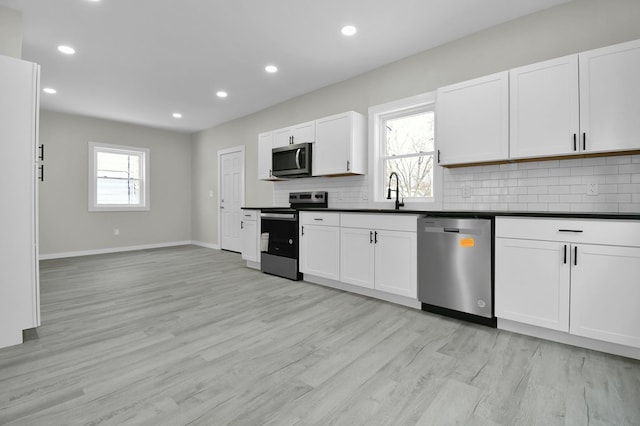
<point>455,273</point>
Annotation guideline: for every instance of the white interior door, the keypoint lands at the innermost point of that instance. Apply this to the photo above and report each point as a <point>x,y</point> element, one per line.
<point>231,179</point>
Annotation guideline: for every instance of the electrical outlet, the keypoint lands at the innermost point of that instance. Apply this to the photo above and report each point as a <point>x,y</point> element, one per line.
<point>116,231</point>
<point>365,196</point>
<point>466,192</point>
<point>592,186</point>
<point>339,195</point>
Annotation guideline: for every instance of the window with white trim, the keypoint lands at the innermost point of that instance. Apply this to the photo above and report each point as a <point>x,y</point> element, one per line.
<point>404,142</point>
<point>118,178</point>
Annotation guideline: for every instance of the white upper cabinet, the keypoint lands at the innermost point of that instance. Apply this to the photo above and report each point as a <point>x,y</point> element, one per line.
<point>340,146</point>
<point>586,103</point>
<point>300,133</point>
<point>610,98</point>
<point>265,144</point>
<point>544,109</point>
<point>472,120</point>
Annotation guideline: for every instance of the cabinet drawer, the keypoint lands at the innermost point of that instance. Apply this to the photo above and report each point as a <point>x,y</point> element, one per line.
<point>249,215</point>
<point>320,218</point>
<point>585,231</point>
<point>392,222</point>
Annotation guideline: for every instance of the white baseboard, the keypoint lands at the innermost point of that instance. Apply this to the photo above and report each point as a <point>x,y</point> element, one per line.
<point>253,265</point>
<point>377,294</point>
<point>568,339</point>
<point>119,249</point>
<point>206,245</point>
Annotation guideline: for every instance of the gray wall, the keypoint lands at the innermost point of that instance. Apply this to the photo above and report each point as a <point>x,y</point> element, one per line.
<point>570,28</point>
<point>10,32</point>
<point>66,225</point>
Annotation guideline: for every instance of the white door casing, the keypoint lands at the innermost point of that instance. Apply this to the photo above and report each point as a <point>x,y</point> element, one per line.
<point>230,197</point>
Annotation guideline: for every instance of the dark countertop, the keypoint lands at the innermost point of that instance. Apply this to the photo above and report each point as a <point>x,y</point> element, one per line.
<point>489,214</point>
<point>475,213</point>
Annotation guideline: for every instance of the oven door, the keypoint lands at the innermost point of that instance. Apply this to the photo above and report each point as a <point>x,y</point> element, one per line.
<point>281,255</point>
<point>282,229</point>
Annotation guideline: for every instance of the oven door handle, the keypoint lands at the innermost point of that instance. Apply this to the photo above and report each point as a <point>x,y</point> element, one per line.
<point>298,157</point>
<point>291,217</point>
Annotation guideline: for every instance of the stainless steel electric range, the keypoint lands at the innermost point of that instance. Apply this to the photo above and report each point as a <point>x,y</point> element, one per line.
<point>280,230</point>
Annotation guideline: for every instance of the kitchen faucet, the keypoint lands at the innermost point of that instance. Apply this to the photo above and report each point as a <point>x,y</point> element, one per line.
<point>398,203</point>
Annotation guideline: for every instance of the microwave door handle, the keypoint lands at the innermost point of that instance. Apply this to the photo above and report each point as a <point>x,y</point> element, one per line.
<point>298,157</point>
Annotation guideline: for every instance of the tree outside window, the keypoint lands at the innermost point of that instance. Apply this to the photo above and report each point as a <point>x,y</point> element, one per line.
<point>409,151</point>
<point>118,178</point>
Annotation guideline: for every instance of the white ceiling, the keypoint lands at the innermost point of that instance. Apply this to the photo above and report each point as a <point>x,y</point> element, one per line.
<point>141,60</point>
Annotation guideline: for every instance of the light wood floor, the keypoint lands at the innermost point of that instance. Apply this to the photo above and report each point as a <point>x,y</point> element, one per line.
<point>188,335</point>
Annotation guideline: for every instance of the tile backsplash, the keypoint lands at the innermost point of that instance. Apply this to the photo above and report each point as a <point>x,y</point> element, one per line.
<point>350,192</point>
<point>539,186</point>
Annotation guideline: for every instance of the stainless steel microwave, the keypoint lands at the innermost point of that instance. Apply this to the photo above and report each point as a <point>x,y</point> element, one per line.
<point>292,161</point>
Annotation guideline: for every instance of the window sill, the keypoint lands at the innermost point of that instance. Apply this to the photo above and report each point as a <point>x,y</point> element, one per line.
<point>102,209</point>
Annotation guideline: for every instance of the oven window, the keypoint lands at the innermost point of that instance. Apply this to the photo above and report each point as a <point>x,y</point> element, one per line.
<point>283,237</point>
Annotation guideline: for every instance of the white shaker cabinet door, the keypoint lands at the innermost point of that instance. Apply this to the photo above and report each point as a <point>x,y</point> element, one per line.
<point>357,257</point>
<point>340,146</point>
<point>532,282</point>
<point>610,98</point>
<point>396,263</point>
<point>251,240</point>
<point>304,132</point>
<point>265,144</point>
<point>472,120</point>
<point>544,115</point>
<point>605,293</point>
<point>320,251</point>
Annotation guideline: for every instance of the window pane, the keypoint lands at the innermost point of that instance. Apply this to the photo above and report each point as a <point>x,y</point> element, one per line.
<point>409,134</point>
<point>415,175</point>
<point>118,165</point>
<point>118,191</point>
<point>134,166</point>
<point>118,178</point>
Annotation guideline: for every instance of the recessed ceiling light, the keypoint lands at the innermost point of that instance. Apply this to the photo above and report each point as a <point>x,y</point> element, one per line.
<point>349,30</point>
<point>222,94</point>
<point>175,114</point>
<point>49,90</point>
<point>67,50</point>
<point>271,69</point>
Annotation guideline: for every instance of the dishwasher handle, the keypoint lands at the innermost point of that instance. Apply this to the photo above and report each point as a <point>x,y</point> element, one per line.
<point>456,230</point>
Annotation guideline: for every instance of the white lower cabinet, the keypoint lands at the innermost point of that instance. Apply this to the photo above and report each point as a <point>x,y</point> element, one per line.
<point>358,257</point>
<point>605,294</point>
<point>575,276</point>
<point>320,244</point>
<point>532,283</point>
<point>379,252</point>
<point>396,263</point>
<point>250,224</point>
